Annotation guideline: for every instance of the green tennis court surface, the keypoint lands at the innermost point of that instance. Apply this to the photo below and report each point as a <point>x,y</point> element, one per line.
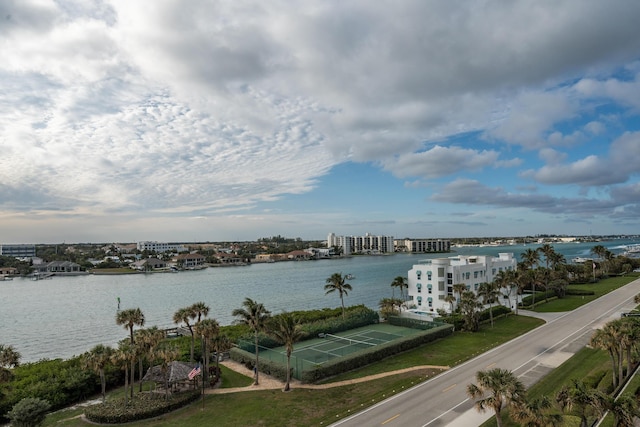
<point>316,351</point>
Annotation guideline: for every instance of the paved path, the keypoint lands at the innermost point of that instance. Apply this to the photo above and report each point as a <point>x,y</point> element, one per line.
<point>270,383</point>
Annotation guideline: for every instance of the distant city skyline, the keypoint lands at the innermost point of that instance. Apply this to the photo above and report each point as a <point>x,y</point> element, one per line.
<point>224,121</point>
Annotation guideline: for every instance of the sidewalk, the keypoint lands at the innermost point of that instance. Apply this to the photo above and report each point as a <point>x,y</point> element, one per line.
<point>269,383</point>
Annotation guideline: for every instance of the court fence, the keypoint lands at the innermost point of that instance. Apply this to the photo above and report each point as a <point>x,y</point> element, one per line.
<point>328,357</point>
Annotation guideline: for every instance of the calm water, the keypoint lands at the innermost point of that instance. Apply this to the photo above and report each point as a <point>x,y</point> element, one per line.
<point>66,316</point>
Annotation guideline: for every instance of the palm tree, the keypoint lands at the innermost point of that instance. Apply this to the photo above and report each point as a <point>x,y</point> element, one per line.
<point>547,250</point>
<point>183,315</point>
<point>165,355</point>
<point>146,341</point>
<point>337,283</point>
<point>585,400</point>
<point>531,413</point>
<point>96,360</point>
<point>607,339</point>
<point>530,258</point>
<point>459,288</point>
<point>450,299</point>
<point>124,357</point>
<point>501,386</point>
<point>220,343</point>
<point>201,310</point>
<point>624,410</point>
<point>286,329</point>
<point>488,293</point>
<point>400,283</point>
<point>130,318</point>
<point>470,308</point>
<point>208,329</point>
<point>254,315</point>
<point>9,358</point>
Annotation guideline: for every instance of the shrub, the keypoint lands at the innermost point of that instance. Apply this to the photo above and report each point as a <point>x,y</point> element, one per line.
<point>268,367</point>
<point>579,292</point>
<point>146,405</point>
<point>29,412</point>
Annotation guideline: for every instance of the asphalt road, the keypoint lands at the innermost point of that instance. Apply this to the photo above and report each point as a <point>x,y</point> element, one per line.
<point>442,401</point>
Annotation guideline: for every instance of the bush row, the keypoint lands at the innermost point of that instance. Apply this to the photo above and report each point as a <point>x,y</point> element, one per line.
<point>539,296</point>
<point>356,317</point>
<point>412,323</point>
<point>374,354</point>
<point>579,292</point>
<point>59,382</point>
<point>144,406</point>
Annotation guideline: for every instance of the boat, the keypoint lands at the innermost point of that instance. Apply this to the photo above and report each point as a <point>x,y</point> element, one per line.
<point>349,277</point>
<point>632,251</point>
<point>580,260</point>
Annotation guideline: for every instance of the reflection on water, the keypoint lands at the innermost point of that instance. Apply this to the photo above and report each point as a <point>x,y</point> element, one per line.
<point>65,316</point>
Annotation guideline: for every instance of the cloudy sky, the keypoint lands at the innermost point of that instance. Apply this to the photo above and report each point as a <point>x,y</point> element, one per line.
<point>225,120</point>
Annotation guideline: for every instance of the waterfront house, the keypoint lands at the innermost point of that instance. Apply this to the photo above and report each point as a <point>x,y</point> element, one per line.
<point>228,259</point>
<point>190,261</point>
<point>149,264</point>
<point>59,268</point>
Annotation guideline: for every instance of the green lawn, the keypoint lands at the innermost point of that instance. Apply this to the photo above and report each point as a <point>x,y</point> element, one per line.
<point>571,302</point>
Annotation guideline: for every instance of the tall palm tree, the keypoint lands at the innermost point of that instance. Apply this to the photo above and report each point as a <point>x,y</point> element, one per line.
<point>146,341</point>
<point>500,386</point>
<point>530,258</point>
<point>123,357</point>
<point>400,283</point>
<point>336,283</point>
<point>165,354</point>
<point>547,250</point>
<point>607,339</point>
<point>185,315</point>
<point>208,329</point>
<point>587,401</point>
<point>201,310</point>
<point>130,318</point>
<point>96,360</point>
<point>286,329</point>
<point>488,294</point>
<point>254,315</point>
<point>220,343</point>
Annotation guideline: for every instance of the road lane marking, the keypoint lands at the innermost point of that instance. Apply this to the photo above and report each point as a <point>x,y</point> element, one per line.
<point>390,419</point>
<point>449,388</point>
<point>490,366</point>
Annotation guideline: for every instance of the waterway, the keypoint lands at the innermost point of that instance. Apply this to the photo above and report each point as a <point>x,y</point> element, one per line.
<point>66,316</point>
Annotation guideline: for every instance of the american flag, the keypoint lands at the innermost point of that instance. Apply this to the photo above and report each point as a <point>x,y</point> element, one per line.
<point>194,372</point>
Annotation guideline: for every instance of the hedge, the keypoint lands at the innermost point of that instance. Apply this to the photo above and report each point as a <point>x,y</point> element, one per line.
<point>266,366</point>
<point>356,317</point>
<point>144,406</point>
<point>579,292</point>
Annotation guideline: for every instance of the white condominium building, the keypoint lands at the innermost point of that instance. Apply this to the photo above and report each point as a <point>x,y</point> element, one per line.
<point>363,244</point>
<point>160,247</point>
<point>432,280</point>
<point>423,245</point>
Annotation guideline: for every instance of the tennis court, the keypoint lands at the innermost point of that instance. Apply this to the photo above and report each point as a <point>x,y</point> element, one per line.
<point>326,347</point>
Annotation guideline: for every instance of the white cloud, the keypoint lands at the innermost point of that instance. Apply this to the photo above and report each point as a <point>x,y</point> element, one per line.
<point>161,108</point>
